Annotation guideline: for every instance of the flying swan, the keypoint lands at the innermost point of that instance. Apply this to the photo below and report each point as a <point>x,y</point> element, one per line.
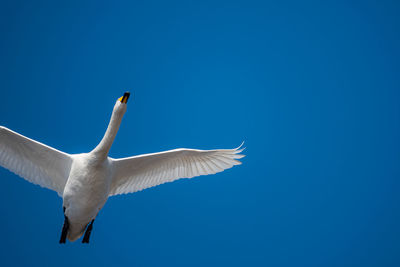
<point>85,181</point>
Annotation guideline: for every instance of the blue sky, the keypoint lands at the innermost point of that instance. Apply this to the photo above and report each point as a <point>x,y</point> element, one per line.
<point>312,87</point>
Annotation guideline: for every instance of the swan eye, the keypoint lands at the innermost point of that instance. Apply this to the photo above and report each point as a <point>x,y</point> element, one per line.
<point>124,98</point>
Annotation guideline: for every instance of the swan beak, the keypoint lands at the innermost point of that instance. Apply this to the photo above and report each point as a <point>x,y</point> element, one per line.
<point>124,99</point>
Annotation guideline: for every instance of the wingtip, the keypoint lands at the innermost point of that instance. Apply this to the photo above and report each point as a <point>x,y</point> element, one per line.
<point>240,145</point>
<point>240,148</point>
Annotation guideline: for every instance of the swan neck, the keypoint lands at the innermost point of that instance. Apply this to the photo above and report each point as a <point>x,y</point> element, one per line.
<point>105,144</point>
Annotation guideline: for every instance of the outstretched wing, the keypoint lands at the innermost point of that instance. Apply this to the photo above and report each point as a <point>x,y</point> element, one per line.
<point>34,161</point>
<point>140,172</point>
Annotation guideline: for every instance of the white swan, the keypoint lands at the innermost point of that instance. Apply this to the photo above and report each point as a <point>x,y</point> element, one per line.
<point>85,181</point>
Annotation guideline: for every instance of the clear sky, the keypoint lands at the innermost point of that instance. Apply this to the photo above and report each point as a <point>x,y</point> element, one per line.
<point>312,87</point>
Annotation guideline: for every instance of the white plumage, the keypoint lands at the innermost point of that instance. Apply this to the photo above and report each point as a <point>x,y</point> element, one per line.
<point>34,161</point>
<point>85,181</point>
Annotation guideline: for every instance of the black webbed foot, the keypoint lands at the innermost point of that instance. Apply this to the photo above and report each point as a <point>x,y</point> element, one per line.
<point>87,233</point>
<point>65,228</point>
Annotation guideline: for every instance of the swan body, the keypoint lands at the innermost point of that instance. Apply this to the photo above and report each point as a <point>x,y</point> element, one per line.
<point>86,191</point>
<point>85,181</point>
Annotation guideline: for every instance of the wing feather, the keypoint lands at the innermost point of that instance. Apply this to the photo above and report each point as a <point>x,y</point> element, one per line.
<point>34,161</point>
<point>140,172</point>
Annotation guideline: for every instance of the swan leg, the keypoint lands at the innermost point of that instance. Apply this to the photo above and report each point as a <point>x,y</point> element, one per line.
<point>87,233</point>
<point>65,228</point>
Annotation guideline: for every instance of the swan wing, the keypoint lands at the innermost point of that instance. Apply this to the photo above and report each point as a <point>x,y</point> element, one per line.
<point>140,172</point>
<point>34,161</point>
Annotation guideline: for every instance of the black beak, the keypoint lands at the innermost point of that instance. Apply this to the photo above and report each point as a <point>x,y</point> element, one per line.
<point>125,97</point>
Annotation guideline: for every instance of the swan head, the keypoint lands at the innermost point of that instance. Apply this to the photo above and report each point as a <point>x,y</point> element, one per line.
<point>120,104</point>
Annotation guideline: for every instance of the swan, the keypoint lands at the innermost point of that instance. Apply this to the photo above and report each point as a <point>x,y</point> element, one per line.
<point>85,181</point>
